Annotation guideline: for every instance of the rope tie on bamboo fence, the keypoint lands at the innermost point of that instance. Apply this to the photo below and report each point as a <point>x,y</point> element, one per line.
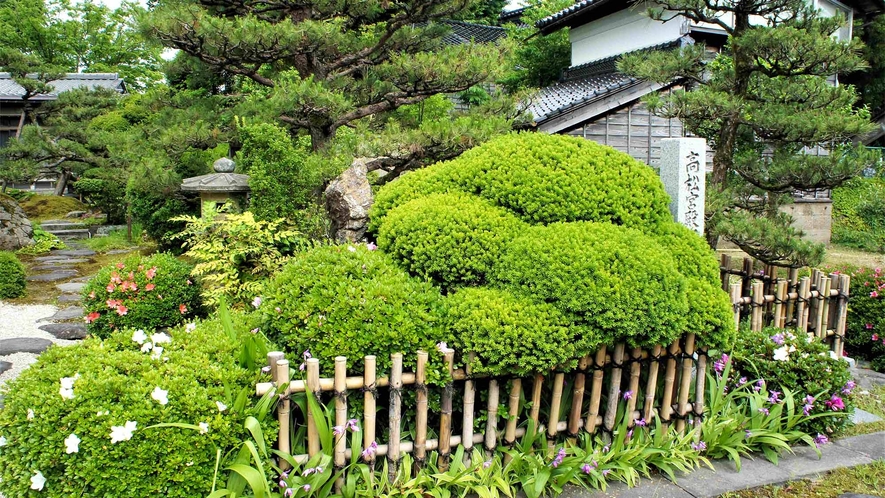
<point>371,388</point>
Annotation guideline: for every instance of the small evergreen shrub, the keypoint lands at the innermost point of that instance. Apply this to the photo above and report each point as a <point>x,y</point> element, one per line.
<point>114,382</point>
<point>12,276</point>
<point>144,292</point>
<point>865,329</point>
<point>615,280</point>
<point>788,359</point>
<point>408,187</point>
<point>859,214</point>
<point>451,239</point>
<point>351,301</point>
<point>510,334</point>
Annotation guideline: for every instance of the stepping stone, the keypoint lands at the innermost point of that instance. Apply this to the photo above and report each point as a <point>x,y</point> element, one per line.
<point>81,279</point>
<point>64,314</point>
<point>864,417</point>
<point>4,366</point>
<point>74,252</point>
<point>68,331</point>
<point>34,345</point>
<point>62,260</point>
<point>54,276</point>
<point>855,495</point>
<point>120,251</point>
<point>71,286</point>
<point>69,298</point>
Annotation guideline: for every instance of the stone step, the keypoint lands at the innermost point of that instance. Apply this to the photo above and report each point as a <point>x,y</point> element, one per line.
<point>70,234</point>
<point>51,227</point>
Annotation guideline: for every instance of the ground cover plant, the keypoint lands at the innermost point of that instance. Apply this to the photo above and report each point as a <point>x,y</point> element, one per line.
<point>43,243</point>
<point>865,329</point>
<point>12,276</point>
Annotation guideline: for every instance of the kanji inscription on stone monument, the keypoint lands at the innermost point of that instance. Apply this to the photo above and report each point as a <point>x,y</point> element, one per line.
<point>683,170</point>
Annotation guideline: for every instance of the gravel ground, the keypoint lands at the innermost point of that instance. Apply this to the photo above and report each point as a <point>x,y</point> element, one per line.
<point>21,321</point>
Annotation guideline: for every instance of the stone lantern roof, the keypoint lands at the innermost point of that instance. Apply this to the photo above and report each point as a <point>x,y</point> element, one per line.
<point>223,180</point>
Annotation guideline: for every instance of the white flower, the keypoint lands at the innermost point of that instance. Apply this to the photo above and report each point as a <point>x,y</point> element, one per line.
<point>122,433</point>
<point>66,393</point>
<point>351,248</point>
<point>221,406</point>
<point>2,441</point>
<point>160,396</point>
<point>30,414</point>
<point>257,301</point>
<point>72,444</point>
<point>146,347</point>
<point>160,338</point>
<point>190,327</point>
<point>38,481</point>
<point>158,351</point>
<point>68,382</point>
<point>792,348</point>
<point>139,336</point>
<point>204,427</point>
<point>781,354</point>
<point>833,355</point>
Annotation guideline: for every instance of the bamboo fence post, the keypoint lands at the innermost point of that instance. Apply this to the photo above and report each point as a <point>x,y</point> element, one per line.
<point>758,302</point>
<point>535,413</point>
<point>614,391</point>
<point>842,314</point>
<point>802,307</point>
<point>793,286</point>
<point>492,421</point>
<point>574,421</point>
<point>725,271</point>
<point>769,278</point>
<point>652,385</point>
<point>445,418</point>
<point>685,385</point>
<point>669,380</point>
<point>736,301</point>
<point>395,413</point>
<point>596,391</point>
<point>281,374</point>
<point>512,413</point>
<point>313,385</point>
<point>779,317</point>
<point>421,415</point>
<point>813,302</point>
<point>833,304</point>
<point>369,410</point>
<point>700,386</point>
<point>823,291</point>
<point>746,276</point>
<point>555,406</point>
<point>635,357</point>
<point>340,417</point>
<point>469,401</point>
<point>272,358</point>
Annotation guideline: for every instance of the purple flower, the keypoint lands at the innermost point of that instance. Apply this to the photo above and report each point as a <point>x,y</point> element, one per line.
<point>306,354</point>
<point>486,464</point>
<point>846,390</point>
<point>775,397</point>
<point>759,385</point>
<point>835,403</point>
<point>257,301</point>
<point>283,484</point>
<point>719,365</point>
<point>351,425</point>
<point>699,446</point>
<point>820,440</point>
<point>289,492</point>
<point>338,430</point>
<point>605,472</point>
<point>809,399</point>
<point>629,433</point>
<point>559,457</point>
<point>306,487</point>
<point>742,381</point>
<point>778,339</point>
<point>587,468</point>
<point>641,422</point>
<point>370,451</point>
<point>806,410</point>
<point>301,367</point>
<point>748,434</point>
<point>606,448</point>
<point>763,411</point>
<point>628,395</point>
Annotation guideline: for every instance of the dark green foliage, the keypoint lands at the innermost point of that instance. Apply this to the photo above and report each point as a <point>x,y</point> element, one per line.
<point>12,276</point>
<point>141,292</point>
<point>865,330</point>
<point>451,239</point>
<point>808,370</point>
<point>114,382</point>
<point>105,190</point>
<point>350,301</point>
<point>538,60</point>
<point>510,334</point>
<point>615,281</point>
<point>859,214</point>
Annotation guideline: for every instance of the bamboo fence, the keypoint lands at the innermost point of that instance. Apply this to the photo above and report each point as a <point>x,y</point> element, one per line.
<point>772,296</point>
<point>666,383</point>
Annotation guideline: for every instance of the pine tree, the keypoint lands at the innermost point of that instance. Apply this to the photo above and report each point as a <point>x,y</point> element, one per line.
<point>763,104</point>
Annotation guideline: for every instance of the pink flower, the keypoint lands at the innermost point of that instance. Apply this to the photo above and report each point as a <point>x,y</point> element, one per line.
<point>869,326</point>
<point>122,310</point>
<point>92,295</point>
<point>113,303</point>
<point>875,337</point>
<point>338,430</point>
<point>486,464</point>
<point>848,387</point>
<point>120,266</point>
<point>587,468</point>
<point>182,309</point>
<point>370,451</point>
<point>149,287</point>
<point>775,397</point>
<point>835,403</point>
<point>699,446</point>
<point>151,273</point>
<point>874,294</point>
<point>110,287</point>
<point>371,246</point>
<point>189,282</point>
<point>91,317</point>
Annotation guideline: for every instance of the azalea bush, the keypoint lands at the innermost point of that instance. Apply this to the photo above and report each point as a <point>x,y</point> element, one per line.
<point>865,330</point>
<point>12,276</point>
<point>789,360</point>
<point>142,292</point>
<point>82,420</point>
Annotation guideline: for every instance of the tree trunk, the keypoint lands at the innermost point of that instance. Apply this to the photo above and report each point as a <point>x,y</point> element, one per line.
<point>320,137</point>
<point>62,182</point>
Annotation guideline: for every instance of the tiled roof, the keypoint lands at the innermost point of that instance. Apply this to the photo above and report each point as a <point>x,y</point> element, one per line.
<point>465,32</point>
<point>10,90</point>
<point>513,16</point>
<point>587,82</point>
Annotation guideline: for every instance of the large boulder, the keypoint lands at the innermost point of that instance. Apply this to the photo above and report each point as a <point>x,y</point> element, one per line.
<point>348,199</point>
<point>15,228</point>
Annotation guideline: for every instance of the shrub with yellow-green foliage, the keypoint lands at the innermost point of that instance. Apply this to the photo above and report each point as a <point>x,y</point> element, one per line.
<point>12,276</point>
<point>448,238</point>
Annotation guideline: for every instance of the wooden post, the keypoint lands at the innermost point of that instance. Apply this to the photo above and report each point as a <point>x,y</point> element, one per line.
<point>842,314</point>
<point>281,373</point>
<point>758,301</point>
<point>313,385</point>
<point>395,413</point>
<point>685,386</point>
<point>802,307</point>
<point>492,421</point>
<point>746,276</point>
<point>340,416</point>
<point>596,391</point>
<point>614,391</point>
<point>724,271</point>
<point>369,410</point>
<point>820,309</point>
<point>445,418</point>
<point>421,414</point>
<point>555,406</point>
<point>669,380</point>
<point>700,386</point>
<point>779,316</point>
<point>272,358</point>
<point>652,385</point>
<point>512,413</point>
<point>813,302</point>
<point>736,303</point>
<point>574,420</point>
<point>635,356</point>
<point>793,286</point>
<point>469,401</point>
<point>535,413</point>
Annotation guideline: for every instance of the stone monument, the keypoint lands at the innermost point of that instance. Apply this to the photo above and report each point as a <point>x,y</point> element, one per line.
<point>683,172</point>
<point>219,188</point>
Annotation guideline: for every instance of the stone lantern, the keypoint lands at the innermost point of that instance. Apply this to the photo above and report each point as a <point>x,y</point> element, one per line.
<point>219,188</point>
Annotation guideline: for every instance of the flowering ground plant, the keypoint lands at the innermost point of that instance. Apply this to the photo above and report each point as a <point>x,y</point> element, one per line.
<point>865,330</point>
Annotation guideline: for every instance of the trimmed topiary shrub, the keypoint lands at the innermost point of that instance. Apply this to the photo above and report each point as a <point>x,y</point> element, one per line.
<point>353,302</point>
<point>89,392</point>
<point>408,187</point>
<point>448,238</point>
<point>145,292</point>
<point>615,280</point>
<point>12,276</point>
<point>510,334</point>
<point>788,359</point>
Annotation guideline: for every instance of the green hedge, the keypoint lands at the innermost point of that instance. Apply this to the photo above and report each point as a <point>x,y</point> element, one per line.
<point>510,334</point>
<point>865,329</point>
<point>859,214</point>
<point>448,238</point>
<point>408,187</point>
<point>350,301</point>
<point>12,276</point>
<point>114,383</point>
<point>142,292</point>
<point>615,280</point>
